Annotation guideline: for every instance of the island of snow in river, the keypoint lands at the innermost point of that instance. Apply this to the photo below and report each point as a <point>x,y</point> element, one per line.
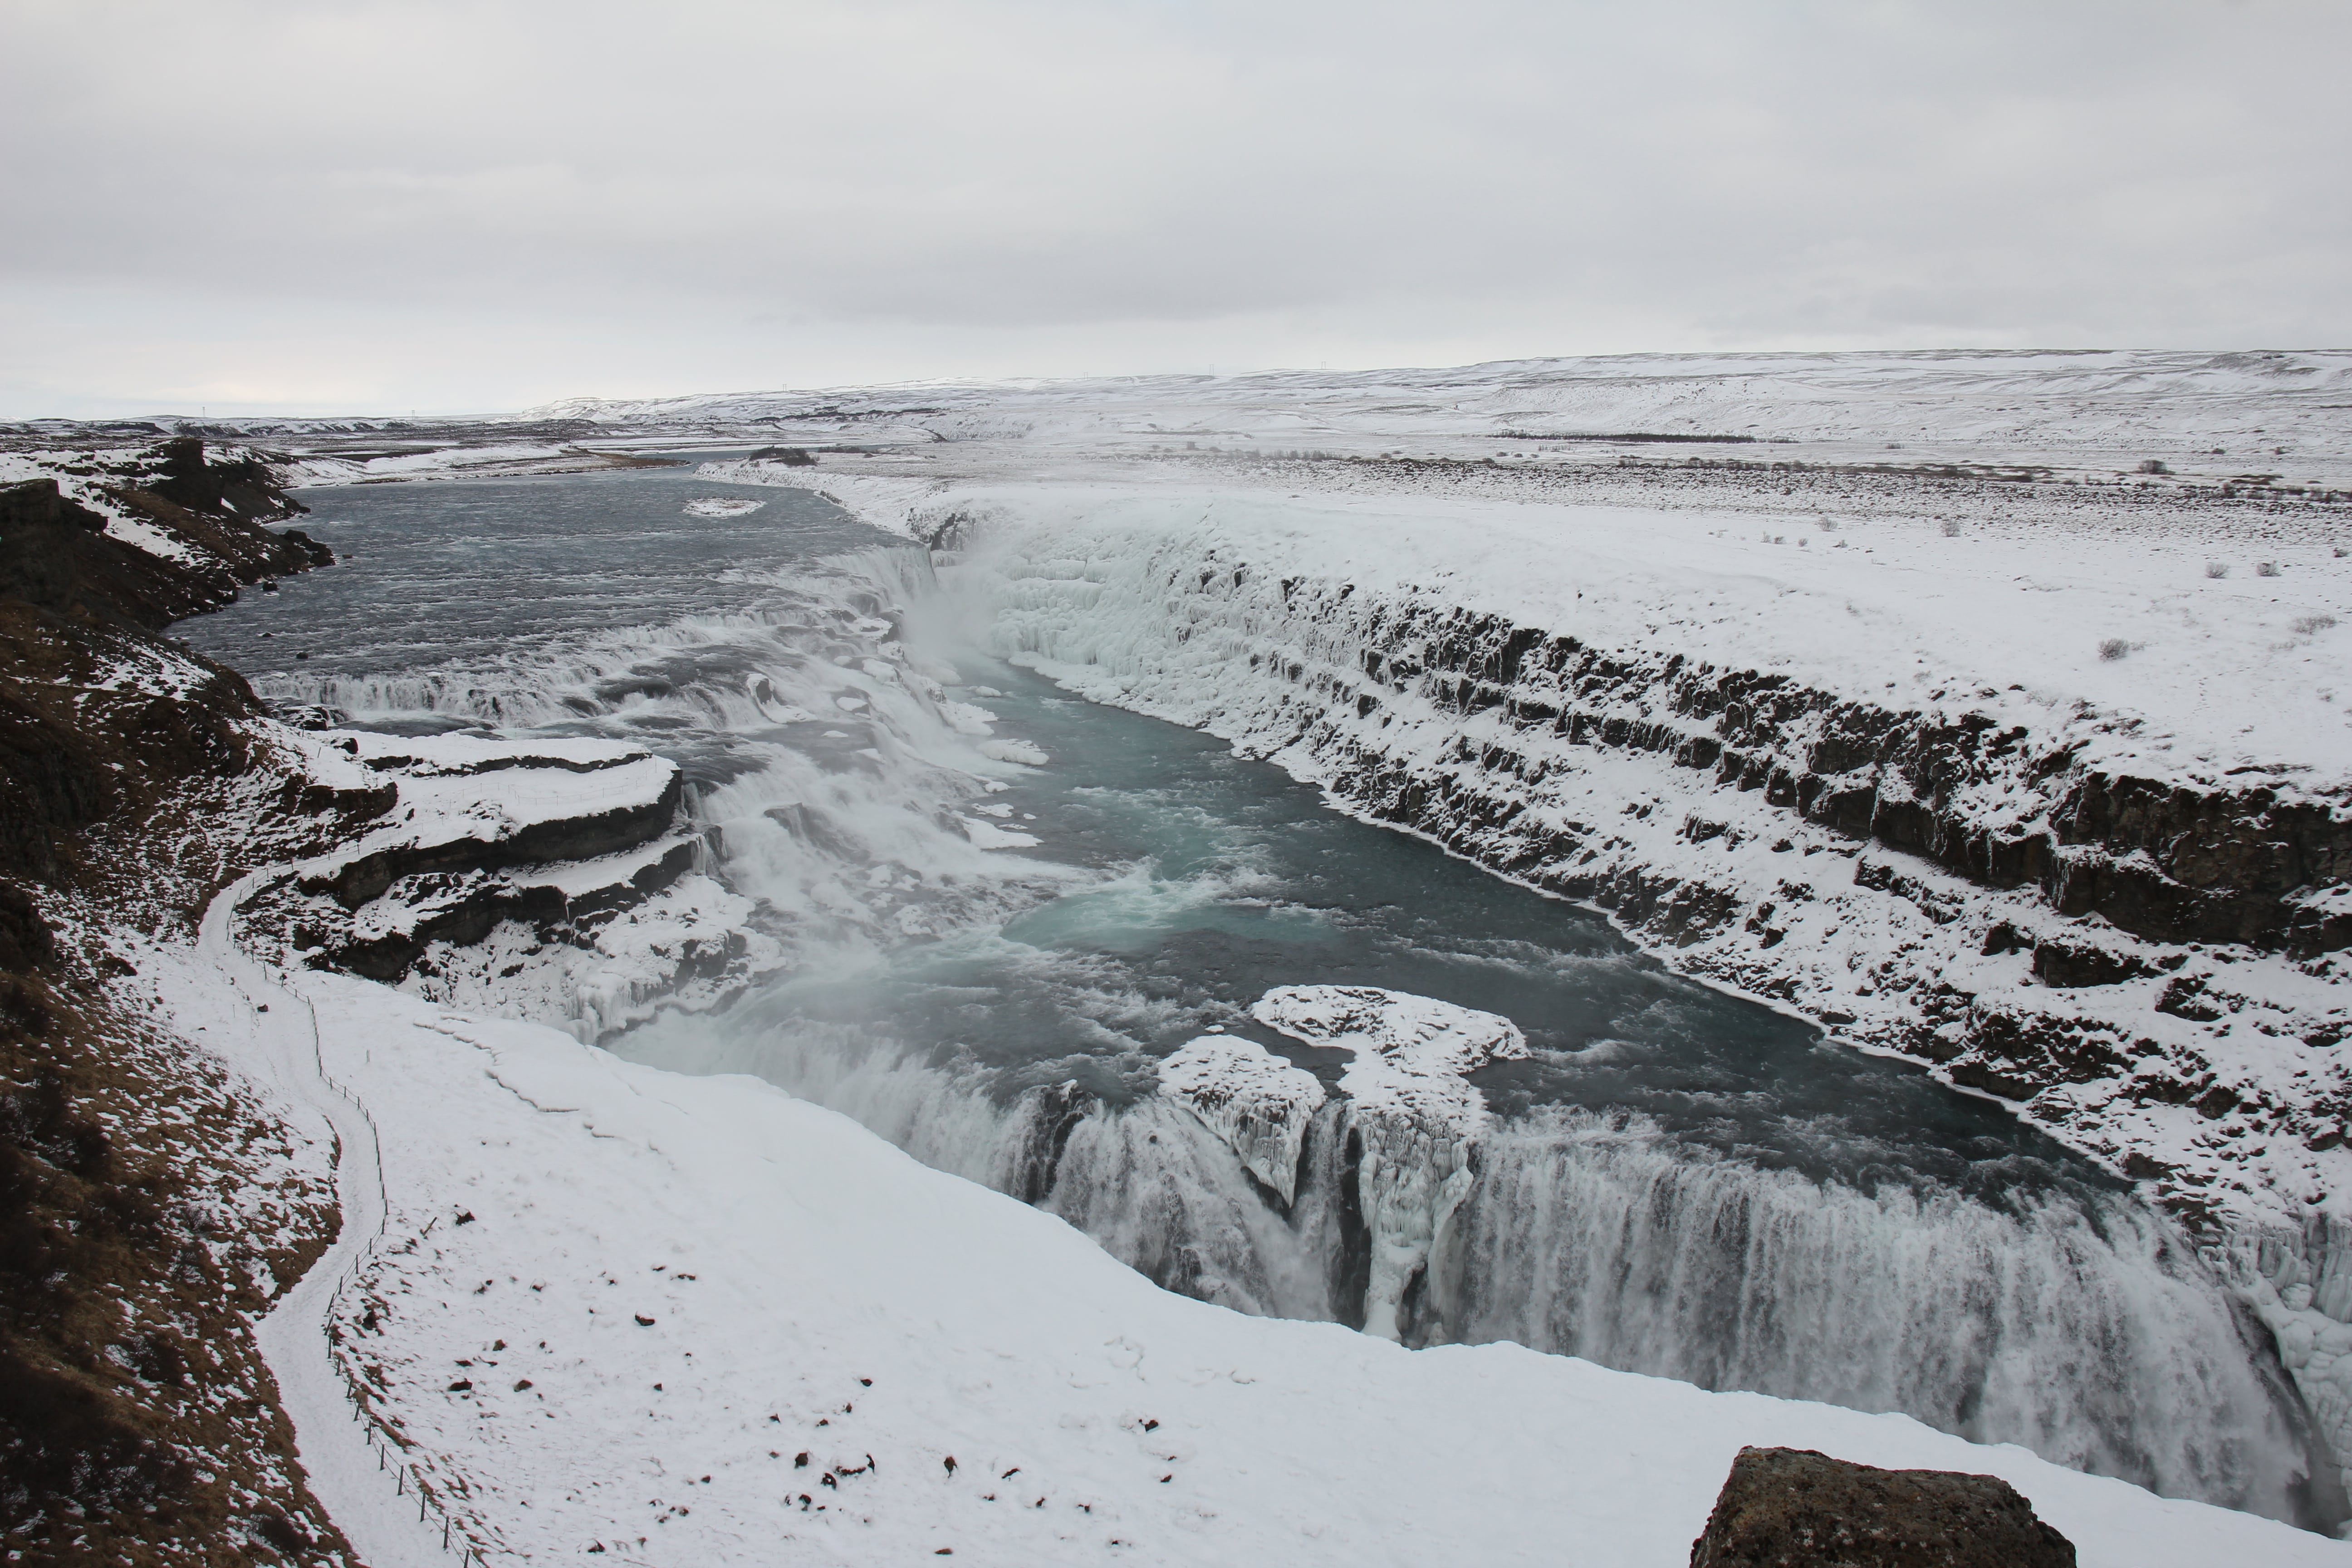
<point>1409,1112</point>
<point>1249,1097</point>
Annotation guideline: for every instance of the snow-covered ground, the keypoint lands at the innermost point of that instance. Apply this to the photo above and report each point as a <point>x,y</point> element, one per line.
<point>614,1308</point>
<point>2211,417</point>
<point>514,461</point>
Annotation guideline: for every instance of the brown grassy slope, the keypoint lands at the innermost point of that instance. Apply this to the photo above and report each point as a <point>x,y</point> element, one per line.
<point>151,1202</point>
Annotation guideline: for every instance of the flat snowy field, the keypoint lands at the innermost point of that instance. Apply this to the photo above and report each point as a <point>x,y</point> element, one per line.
<point>613,1308</point>
<point>2109,627</point>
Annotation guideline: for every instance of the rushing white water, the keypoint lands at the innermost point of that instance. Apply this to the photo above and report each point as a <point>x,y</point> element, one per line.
<point>2085,1331</point>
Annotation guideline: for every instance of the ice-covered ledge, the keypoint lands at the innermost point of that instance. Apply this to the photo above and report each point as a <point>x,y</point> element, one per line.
<point>1411,1114</point>
<point>1258,1103</point>
<point>540,877</point>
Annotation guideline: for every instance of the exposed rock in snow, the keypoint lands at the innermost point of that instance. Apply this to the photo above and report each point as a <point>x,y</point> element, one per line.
<point>1249,1097</point>
<point>540,877</point>
<point>1409,1107</point>
<point>1789,1505</point>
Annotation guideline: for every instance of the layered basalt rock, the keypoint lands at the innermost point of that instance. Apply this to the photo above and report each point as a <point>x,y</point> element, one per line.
<point>544,879</point>
<point>2165,862</point>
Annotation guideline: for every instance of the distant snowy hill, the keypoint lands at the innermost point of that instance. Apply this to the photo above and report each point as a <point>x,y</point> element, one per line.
<point>2071,408</point>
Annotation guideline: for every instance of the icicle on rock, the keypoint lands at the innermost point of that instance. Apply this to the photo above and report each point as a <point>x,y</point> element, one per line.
<point>1415,1117</point>
<point>1255,1102</point>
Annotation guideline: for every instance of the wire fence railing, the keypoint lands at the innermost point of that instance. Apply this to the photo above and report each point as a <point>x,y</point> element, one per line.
<point>459,1534</point>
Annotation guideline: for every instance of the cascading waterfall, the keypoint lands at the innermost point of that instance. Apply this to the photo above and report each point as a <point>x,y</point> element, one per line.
<point>2080,1327</point>
<point>823,757</point>
<point>845,791</point>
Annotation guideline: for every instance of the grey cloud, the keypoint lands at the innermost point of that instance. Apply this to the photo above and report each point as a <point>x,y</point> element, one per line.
<point>531,192</point>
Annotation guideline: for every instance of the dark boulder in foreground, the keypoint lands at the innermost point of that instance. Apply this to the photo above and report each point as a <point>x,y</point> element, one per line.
<point>1792,1508</point>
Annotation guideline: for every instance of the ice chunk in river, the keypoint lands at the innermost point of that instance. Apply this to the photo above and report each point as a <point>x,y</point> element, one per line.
<point>1013,752</point>
<point>1413,1116</point>
<point>1250,1098</point>
<point>722,506</point>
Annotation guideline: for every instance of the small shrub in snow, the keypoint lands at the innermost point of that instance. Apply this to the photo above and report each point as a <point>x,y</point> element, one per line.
<point>2266,569</point>
<point>2216,569</point>
<point>2310,624</point>
<point>2154,466</point>
<point>2113,649</point>
<point>1951,528</point>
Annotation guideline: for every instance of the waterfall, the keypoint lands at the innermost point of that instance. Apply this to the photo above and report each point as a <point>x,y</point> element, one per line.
<point>2079,1325</point>
<point>2083,1327</point>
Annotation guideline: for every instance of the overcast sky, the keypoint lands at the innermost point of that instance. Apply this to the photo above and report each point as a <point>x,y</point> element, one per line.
<point>335,206</point>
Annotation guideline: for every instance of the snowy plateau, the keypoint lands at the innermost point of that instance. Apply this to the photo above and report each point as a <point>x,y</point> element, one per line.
<point>1989,711</point>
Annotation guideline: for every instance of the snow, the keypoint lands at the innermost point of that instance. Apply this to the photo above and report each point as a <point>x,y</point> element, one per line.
<point>722,506</point>
<point>1258,1103</point>
<point>458,786</point>
<point>1010,750</point>
<point>644,1280</point>
<point>1410,1052</point>
<point>989,836</point>
<point>509,460</point>
<point>2206,415</point>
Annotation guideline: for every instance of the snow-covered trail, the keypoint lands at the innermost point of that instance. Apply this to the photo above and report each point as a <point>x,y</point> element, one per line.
<point>369,1503</point>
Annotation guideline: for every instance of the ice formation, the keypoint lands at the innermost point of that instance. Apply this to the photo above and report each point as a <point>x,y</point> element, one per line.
<point>722,506</point>
<point>1411,1110</point>
<point>1249,1097</point>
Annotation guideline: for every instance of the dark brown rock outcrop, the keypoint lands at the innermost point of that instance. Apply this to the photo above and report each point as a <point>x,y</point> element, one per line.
<point>90,727</point>
<point>1793,1508</point>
